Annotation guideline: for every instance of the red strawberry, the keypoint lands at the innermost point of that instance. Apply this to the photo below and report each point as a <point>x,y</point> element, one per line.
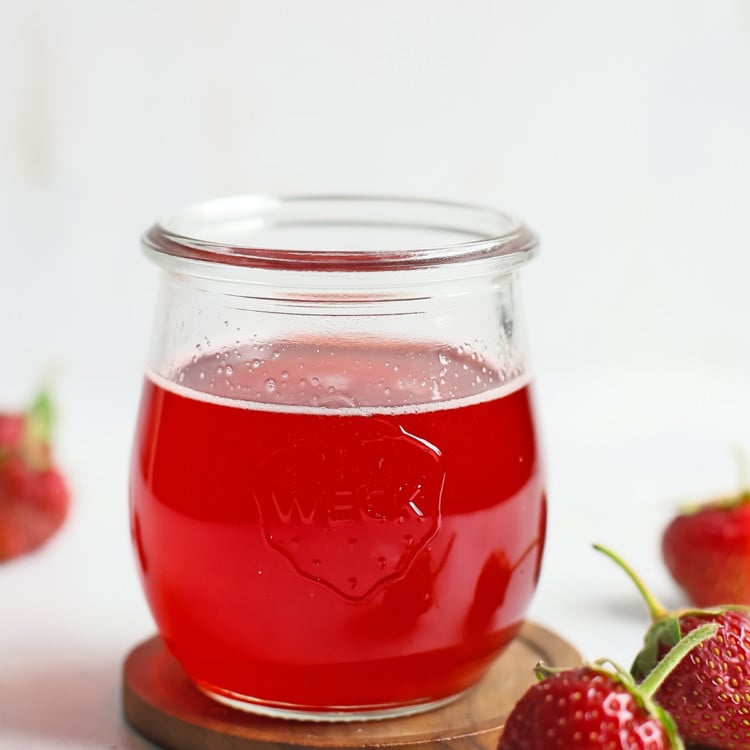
<point>33,497</point>
<point>707,550</point>
<point>590,708</point>
<point>708,694</point>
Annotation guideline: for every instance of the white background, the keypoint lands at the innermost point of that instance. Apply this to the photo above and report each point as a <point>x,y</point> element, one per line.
<point>619,131</point>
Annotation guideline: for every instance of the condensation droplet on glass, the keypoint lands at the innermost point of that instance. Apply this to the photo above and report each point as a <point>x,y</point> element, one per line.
<point>285,374</point>
<point>202,375</point>
<point>270,384</point>
<point>395,368</point>
<point>275,355</point>
<point>255,364</point>
<point>230,370</point>
<point>314,382</point>
<point>443,358</point>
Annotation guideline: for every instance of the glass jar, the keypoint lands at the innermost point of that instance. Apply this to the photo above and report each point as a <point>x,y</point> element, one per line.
<point>337,499</point>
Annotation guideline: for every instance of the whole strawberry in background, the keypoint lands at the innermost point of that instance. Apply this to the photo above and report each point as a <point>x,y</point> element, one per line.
<point>34,498</point>
<point>706,549</point>
<point>592,707</point>
<point>708,693</point>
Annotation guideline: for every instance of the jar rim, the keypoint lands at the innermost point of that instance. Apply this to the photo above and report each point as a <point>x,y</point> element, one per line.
<point>264,231</point>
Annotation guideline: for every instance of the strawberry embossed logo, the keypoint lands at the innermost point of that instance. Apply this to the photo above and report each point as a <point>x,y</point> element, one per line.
<point>360,519</point>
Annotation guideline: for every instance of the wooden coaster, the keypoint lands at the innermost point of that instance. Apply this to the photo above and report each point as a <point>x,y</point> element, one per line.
<point>163,705</point>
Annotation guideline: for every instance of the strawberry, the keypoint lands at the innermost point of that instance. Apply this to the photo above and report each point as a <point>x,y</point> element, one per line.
<point>708,693</point>
<point>590,707</point>
<point>34,499</point>
<point>707,550</point>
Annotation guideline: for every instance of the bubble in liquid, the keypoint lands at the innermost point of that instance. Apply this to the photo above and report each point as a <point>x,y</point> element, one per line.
<point>230,370</point>
<point>255,364</point>
<point>443,358</point>
<point>314,382</point>
<point>202,375</point>
<point>270,384</point>
<point>285,374</point>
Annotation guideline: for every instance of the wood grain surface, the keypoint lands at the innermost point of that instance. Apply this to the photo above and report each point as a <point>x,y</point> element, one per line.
<point>163,705</point>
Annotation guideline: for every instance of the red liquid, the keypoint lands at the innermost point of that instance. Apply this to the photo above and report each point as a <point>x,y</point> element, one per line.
<point>330,557</point>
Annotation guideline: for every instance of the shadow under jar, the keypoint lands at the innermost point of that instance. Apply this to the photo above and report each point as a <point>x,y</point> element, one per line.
<point>337,501</point>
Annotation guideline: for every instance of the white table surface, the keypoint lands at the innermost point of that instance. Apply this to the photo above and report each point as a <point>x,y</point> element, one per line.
<point>623,448</point>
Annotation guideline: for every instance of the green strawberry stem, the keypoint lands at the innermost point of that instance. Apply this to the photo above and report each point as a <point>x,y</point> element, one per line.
<point>39,418</point>
<point>656,610</point>
<point>673,657</point>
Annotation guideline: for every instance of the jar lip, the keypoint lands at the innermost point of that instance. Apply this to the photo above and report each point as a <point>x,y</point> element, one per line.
<point>259,231</point>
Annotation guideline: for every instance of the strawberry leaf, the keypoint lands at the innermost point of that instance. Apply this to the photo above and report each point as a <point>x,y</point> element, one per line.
<point>661,636</point>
